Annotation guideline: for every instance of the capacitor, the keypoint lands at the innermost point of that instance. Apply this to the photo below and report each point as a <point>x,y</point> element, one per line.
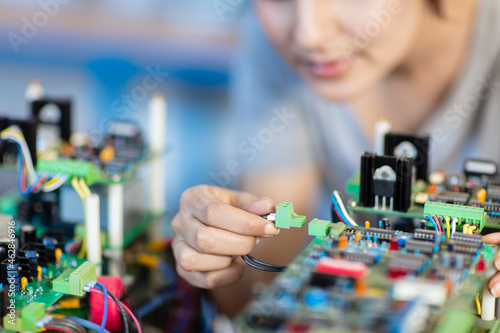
<point>357,237</point>
<point>24,282</point>
<point>386,224</point>
<point>27,234</point>
<point>3,254</point>
<point>58,253</point>
<point>367,224</point>
<point>422,224</point>
<point>342,242</point>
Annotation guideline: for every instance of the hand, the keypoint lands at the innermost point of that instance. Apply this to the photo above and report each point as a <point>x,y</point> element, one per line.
<point>213,228</point>
<point>494,283</point>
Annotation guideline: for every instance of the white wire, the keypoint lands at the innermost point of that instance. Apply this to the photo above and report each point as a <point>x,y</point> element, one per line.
<point>14,134</point>
<point>343,209</point>
<point>62,179</point>
<point>453,226</point>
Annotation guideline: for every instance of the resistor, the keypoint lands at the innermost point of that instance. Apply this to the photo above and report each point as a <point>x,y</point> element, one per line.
<point>337,229</point>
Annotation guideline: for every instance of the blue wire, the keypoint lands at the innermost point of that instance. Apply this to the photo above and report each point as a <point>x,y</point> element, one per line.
<point>337,207</point>
<point>168,272</point>
<point>105,312</point>
<point>427,216</point>
<point>85,323</point>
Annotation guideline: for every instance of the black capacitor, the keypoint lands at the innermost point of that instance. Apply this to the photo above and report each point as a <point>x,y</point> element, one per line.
<point>422,224</point>
<point>27,234</point>
<point>3,253</point>
<point>386,224</point>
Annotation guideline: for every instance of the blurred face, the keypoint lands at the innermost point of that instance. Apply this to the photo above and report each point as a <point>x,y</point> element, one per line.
<point>342,48</point>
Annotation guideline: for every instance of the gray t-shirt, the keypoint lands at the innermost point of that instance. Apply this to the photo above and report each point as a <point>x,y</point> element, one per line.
<point>327,134</point>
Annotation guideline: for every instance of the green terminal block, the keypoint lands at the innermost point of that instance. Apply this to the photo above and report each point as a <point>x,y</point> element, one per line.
<point>286,217</point>
<point>61,283</point>
<point>319,228</point>
<point>80,277</point>
<point>72,168</point>
<point>465,214</point>
<point>25,320</point>
<point>31,314</point>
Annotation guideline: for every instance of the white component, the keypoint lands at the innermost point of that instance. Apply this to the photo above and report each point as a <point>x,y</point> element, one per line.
<point>488,301</point>
<point>115,216</point>
<point>437,177</point>
<point>93,231</point>
<point>480,167</point>
<point>382,127</point>
<point>431,293</point>
<point>406,149</point>
<point>34,91</point>
<point>385,173</point>
<point>115,227</point>
<point>157,143</point>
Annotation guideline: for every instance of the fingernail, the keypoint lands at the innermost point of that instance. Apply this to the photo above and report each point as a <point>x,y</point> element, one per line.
<point>497,264</point>
<point>492,290</point>
<point>266,198</point>
<point>271,229</point>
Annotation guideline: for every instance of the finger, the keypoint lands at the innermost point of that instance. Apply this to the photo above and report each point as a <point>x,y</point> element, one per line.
<point>214,279</point>
<point>493,238</point>
<point>209,209</point>
<point>211,240</point>
<point>262,206</point>
<point>191,260</point>
<point>494,285</point>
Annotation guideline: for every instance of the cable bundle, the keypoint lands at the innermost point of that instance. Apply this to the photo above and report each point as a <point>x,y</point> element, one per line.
<point>261,265</point>
<point>28,180</point>
<point>340,209</point>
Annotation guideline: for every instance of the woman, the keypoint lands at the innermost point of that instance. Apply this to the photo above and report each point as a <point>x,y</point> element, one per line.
<point>314,76</point>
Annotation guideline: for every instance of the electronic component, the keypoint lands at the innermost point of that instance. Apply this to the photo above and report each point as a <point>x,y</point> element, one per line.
<point>465,214</point>
<point>409,146</point>
<point>287,218</point>
<point>385,182</point>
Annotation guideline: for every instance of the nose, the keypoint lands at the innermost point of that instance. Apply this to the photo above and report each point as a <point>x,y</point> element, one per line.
<point>315,23</point>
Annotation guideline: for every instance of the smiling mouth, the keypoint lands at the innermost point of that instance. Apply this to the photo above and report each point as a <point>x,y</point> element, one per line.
<point>331,69</point>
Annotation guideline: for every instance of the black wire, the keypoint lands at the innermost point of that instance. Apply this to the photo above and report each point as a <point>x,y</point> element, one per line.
<point>265,263</point>
<point>267,268</point>
<point>122,311</point>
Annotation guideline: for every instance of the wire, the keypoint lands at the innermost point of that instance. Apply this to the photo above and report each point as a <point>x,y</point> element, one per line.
<point>122,311</point>
<point>67,324</point>
<point>340,208</point>
<point>478,305</point>
<point>428,217</point>
<point>126,309</point>
<point>13,133</point>
<point>86,323</point>
<point>84,187</point>
<point>437,222</point>
<point>56,328</point>
<point>465,229</point>
<point>447,219</point>
<point>265,263</point>
<point>105,311</point>
<point>55,183</point>
<point>264,268</point>
<point>471,229</point>
<point>76,186</point>
<point>454,222</point>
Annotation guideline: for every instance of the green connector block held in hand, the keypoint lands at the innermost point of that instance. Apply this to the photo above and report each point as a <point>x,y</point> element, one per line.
<point>286,217</point>
<point>319,228</point>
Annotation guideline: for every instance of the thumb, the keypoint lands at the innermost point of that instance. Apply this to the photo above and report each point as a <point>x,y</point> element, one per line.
<point>493,238</point>
<point>262,206</point>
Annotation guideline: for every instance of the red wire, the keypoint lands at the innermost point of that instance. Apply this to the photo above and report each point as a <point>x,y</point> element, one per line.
<point>57,329</point>
<point>39,183</point>
<point>22,183</point>
<point>338,215</point>
<point>124,306</point>
<point>434,217</point>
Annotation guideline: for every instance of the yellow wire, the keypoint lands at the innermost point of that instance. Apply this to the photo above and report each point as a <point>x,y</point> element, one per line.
<point>82,193</point>
<point>50,182</point>
<point>471,229</point>
<point>478,306</point>
<point>76,186</point>
<point>84,187</point>
<point>465,229</point>
<point>447,219</point>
